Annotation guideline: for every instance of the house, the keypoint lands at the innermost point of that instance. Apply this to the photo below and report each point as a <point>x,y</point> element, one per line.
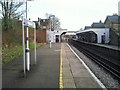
<point>42,26</point>
<point>95,25</point>
<point>48,30</point>
<point>98,25</point>
<point>113,22</point>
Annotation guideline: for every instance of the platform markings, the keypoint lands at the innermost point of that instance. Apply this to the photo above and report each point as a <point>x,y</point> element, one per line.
<point>93,75</point>
<point>61,76</point>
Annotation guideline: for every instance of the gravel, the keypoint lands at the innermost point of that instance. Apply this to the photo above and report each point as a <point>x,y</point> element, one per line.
<point>105,77</point>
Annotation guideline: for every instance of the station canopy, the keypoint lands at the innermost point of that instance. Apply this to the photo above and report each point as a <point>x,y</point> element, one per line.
<point>95,30</point>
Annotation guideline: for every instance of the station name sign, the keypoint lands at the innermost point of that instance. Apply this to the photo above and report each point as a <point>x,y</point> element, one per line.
<point>29,23</point>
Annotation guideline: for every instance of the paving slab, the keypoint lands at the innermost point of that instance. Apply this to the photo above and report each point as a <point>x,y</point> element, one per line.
<point>75,75</point>
<point>85,82</point>
<point>69,83</point>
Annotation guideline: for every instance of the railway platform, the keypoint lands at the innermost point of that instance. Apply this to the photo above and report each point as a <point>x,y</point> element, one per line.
<point>109,46</point>
<point>43,74</point>
<point>75,73</point>
<point>57,67</point>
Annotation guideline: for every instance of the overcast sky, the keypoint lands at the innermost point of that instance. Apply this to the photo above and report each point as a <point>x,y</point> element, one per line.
<point>73,14</point>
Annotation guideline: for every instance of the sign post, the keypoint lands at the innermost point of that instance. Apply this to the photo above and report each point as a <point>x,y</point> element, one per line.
<point>28,23</point>
<point>27,50</point>
<point>35,44</point>
<point>23,38</point>
<point>27,43</point>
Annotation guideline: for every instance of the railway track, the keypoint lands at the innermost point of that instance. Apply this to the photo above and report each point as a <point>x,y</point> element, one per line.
<point>99,58</point>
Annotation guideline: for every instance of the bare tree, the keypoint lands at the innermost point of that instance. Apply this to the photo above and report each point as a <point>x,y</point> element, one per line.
<point>10,9</point>
<point>54,22</point>
<point>10,12</point>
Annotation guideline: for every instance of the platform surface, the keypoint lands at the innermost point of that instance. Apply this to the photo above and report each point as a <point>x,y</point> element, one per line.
<point>46,73</point>
<point>75,75</point>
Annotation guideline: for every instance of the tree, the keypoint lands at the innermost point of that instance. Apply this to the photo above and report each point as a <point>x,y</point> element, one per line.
<point>54,22</point>
<point>10,13</point>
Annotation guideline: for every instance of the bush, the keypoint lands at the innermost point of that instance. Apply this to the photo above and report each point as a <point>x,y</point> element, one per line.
<point>12,41</point>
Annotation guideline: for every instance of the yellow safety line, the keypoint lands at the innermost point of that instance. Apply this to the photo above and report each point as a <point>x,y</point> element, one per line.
<point>61,76</point>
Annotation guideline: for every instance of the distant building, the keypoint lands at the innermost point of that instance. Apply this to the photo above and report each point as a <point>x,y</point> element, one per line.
<point>87,27</point>
<point>53,34</point>
<point>98,25</point>
<point>56,35</point>
<point>109,31</point>
<point>113,23</point>
<point>48,30</point>
<point>95,25</point>
<point>42,26</point>
<point>96,33</point>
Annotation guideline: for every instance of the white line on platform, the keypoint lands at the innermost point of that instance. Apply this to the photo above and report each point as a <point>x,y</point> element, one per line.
<point>93,75</point>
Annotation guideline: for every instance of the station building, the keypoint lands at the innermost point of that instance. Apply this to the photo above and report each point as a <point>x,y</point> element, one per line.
<point>96,33</point>
<point>105,33</point>
<point>45,33</point>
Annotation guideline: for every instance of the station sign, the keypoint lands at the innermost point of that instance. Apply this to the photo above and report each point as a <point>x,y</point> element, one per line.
<point>29,23</point>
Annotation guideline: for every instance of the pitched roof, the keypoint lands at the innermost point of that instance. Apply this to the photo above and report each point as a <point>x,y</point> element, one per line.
<point>98,25</point>
<point>113,19</point>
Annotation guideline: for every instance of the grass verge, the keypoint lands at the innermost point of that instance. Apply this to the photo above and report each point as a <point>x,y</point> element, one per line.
<point>9,54</point>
